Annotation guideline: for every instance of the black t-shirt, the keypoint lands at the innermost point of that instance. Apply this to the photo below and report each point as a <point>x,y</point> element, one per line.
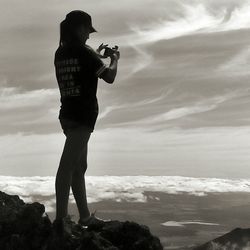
<point>77,71</point>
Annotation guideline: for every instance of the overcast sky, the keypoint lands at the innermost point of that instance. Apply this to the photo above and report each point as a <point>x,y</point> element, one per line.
<point>180,102</point>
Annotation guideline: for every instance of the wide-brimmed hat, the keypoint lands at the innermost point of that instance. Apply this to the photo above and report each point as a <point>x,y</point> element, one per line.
<point>79,16</point>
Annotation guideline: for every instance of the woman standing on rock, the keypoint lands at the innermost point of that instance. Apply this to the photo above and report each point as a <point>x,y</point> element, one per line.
<point>78,68</point>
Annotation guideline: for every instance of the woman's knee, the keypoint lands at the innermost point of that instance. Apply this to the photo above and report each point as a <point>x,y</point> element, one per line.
<point>80,169</point>
<point>82,164</point>
<point>70,160</point>
<point>84,168</point>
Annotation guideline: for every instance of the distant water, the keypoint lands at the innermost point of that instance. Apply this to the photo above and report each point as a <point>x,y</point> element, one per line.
<point>121,188</point>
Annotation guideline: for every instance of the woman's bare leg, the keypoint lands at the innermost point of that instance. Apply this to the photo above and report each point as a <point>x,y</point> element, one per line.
<point>78,185</point>
<point>63,180</point>
<point>74,144</point>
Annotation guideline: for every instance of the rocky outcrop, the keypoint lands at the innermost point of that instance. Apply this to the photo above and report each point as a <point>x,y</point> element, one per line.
<point>26,226</point>
<point>238,239</point>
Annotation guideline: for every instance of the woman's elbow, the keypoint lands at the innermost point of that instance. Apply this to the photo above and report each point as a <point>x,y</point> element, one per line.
<point>109,78</point>
<point>110,81</point>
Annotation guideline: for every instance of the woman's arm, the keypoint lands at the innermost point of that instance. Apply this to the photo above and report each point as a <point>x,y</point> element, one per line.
<point>110,72</point>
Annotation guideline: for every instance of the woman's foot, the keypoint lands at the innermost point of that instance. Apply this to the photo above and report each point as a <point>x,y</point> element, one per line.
<point>63,226</point>
<point>92,219</point>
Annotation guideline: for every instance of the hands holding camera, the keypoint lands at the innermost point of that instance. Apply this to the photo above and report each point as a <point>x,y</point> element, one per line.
<point>113,53</point>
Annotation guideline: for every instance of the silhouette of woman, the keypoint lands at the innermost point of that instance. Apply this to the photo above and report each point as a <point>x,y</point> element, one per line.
<point>78,68</point>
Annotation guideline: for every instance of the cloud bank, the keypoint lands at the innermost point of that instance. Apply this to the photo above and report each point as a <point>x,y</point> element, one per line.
<point>122,188</point>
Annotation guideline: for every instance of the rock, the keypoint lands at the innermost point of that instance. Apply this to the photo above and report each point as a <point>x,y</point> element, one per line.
<point>26,226</point>
<point>237,239</point>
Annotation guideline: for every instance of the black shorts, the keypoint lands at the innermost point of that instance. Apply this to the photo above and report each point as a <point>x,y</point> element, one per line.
<point>68,125</point>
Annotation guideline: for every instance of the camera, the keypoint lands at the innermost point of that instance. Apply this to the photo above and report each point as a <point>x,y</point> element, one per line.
<point>109,52</point>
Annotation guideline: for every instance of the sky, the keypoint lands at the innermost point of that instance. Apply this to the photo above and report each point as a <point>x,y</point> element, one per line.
<point>178,107</point>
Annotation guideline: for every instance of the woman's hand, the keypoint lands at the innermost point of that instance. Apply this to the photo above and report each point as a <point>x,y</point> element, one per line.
<point>100,48</point>
<point>116,54</point>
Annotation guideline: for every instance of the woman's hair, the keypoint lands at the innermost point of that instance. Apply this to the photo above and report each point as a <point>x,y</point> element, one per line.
<point>68,33</point>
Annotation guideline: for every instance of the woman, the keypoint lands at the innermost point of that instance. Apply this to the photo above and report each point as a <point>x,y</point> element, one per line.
<point>78,68</point>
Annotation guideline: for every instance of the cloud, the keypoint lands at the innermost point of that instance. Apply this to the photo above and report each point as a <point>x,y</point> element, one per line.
<point>236,18</point>
<point>12,98</point>
<point>143,59</point>
<point>181,112</point>
<point>198,107</point>
<point>107,110</point>
<point>195,18</point>
<point>28,111</point>
<point>122,188</point>
<point>29,44</point>
<point>238,64</point>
